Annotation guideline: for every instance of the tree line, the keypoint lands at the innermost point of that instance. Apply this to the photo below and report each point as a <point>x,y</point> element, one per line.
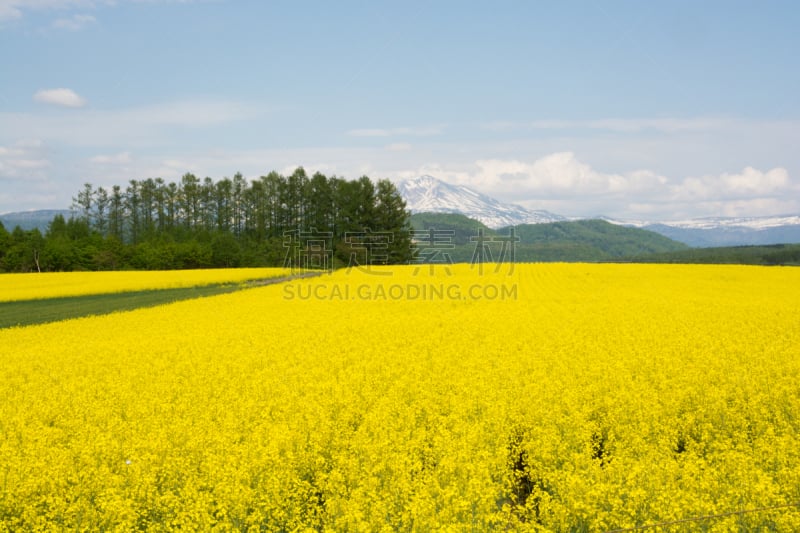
<point>194,223</point>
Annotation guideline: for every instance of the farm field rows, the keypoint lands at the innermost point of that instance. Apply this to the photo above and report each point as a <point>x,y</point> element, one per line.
<point>554,397</point>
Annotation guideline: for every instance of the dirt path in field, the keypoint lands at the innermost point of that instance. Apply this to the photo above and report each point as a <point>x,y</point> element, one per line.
<point>31,312</point>
<point>272,281</point>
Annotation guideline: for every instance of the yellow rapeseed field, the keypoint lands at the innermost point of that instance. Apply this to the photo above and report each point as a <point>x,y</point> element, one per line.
<point>34,286</point>
<point>552,397</point>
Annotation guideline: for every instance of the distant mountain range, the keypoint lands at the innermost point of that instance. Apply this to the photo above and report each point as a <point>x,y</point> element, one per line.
<point>29,220</point>
<point>427,194</point>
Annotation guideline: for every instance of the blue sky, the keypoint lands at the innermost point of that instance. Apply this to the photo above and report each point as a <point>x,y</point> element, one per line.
<point>637,110</point>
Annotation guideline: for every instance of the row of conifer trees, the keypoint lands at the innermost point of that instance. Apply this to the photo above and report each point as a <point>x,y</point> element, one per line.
<point>194,223</point>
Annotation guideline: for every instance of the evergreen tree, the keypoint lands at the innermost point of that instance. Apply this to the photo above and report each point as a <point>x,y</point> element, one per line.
<point>189,198</point>
<point>319,210</point>
<point>133,202</point>
<point>223,198</point>
<point>296,186</point>
<point>255,211</point>
<point>160,205</point>
<point>365,205</point>
<point>5,244</point>
<point>82,203</point>
<point>116,213</point>
<point>273,184</point>
<point>237,203</point>
<point>101,201</point>
<point>208,204</point>
<point>391,216</point>
<point>147,205</point>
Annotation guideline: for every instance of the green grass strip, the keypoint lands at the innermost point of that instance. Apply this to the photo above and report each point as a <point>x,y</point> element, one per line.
<point>28,312</point>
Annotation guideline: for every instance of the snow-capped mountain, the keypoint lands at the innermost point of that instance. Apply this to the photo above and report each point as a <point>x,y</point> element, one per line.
<point>724,231</point>
<point>756,223</point>
<point>427,194</point>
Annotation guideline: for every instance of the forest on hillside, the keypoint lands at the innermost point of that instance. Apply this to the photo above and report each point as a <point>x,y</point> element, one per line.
<point>570,241</point>
<point>274,220</point>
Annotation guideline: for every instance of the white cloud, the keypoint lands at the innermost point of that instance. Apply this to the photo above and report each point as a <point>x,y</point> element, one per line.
<point>558,175</point>
<point>749,183</point>
<point>190,113</point>
<point>398,147</point>
<point>52,4</point>
<point>121,158</point>
<point>425,131</point>
<point>150,125</point>
<point>619,125</point>
<point>62,97</point>
<point>23,160</point>
<point>8,11</point>
<point>15,9</point>
<point>74,23</point>
<point>667,125</point>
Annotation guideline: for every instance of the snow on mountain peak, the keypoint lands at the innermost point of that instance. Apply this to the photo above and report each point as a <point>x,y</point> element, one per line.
<point>429,194</point>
